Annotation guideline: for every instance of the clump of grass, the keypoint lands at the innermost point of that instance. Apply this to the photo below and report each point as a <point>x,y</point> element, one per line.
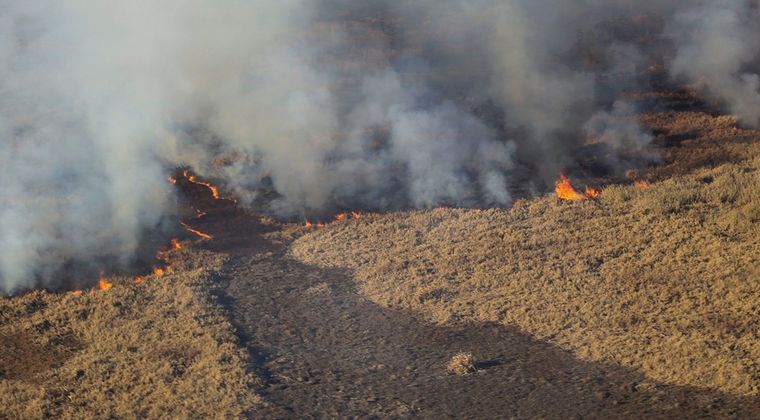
<point>462,364</point>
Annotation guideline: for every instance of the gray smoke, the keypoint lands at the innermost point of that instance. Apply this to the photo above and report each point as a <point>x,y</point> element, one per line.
<point>333,104</point>
<point>719,47</point>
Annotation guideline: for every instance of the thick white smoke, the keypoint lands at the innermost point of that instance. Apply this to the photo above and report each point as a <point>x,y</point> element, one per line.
<point>331,103</point>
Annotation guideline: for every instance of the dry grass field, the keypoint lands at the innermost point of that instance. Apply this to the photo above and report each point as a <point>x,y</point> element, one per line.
<point>663,279</point>
<point>642,302</point>
<point>158,349</point>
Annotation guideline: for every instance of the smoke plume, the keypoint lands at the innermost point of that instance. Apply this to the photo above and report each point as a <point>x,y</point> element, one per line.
<point>330,104</point>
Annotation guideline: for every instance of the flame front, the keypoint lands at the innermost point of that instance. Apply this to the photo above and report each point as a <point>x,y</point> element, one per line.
<point>592,192</point>
<point>309,225</point>
<point>195,231</point>
<point>104,284</point>
<point>346,216</point>
<point>210,186</point>
<point>565,190</point>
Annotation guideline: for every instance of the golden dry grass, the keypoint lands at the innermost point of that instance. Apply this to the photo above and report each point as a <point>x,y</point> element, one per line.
<point>664,280</point>
<point>152,350</point>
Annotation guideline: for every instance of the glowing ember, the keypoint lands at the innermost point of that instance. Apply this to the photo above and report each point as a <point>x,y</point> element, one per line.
<point>210,186</point>
<point>565,190</point>
<point>195,231</point>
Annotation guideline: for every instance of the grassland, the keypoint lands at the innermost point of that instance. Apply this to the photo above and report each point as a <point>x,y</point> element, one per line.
<point>159,349</point>
<point>664,280</point>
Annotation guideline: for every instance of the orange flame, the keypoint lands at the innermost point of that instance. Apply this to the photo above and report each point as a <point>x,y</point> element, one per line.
<point>195,231</point>
<point>210,186</point>
<point>592,193</point>
<point>176,244</point>
<point>138,280</point>
<point>345,216</point>
<point>104,284</point>
<point>172,180</point>
<point>565,190</point>
<point>158,272</point>
<point>309,225</point>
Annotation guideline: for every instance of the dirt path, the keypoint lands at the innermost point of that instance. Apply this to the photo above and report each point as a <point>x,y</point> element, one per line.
<point>325,351</point>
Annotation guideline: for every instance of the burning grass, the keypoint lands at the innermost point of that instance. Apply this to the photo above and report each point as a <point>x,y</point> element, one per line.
<point>663,279</point>
<point>153,349</point>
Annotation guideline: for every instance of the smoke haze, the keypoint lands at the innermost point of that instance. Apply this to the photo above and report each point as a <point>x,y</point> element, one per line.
<point>333,104</point>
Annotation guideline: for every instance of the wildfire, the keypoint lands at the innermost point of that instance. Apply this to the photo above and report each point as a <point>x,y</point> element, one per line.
<point>309,225</point>
<point>565,190</point>
<point>104,284</point>
<point>592,192</point>
<point>210,186</point>
<point>138,280</point>
<point>345,216</point>
<point>172,180</point>
<point>176,244</point>
<point>159,271</point>
<point>195,231</point>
